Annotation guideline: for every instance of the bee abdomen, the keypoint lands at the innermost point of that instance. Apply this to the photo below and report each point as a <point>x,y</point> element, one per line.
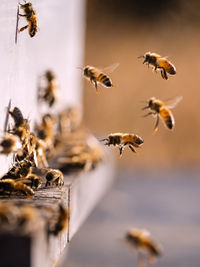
<point>168,118</point>
<point>17,116</point>
<point>33,29</point>
<point>169,122</point>
<point>105,80</point>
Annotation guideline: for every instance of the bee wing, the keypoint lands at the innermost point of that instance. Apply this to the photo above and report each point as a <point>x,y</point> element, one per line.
<point>171,103</point>
<point>110,68</point>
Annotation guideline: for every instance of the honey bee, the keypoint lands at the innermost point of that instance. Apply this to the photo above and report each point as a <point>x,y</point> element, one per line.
<point>54,176</point>
<point>30,15</point>
<point>21,127</point>
<point>142,240</point>
<point>9,186</point>
<point>62,221</point>
<point>32,180</point>
<point>45,131</point>
<point>20,169</point>
<point>96,75</point>
<point>10,144</point>
<point>27,218</point>
<point>159,109</point>
<point>123,139</point>
<point>159,62</point>
<point>8,213</point>
<point>49,93</point>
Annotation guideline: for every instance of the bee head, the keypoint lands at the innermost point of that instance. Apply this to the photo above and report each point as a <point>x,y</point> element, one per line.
<point>151,100</point>
<point>86,71</point>
<point>49,75</point>
<point>147,57</point>
<point>138,140</point>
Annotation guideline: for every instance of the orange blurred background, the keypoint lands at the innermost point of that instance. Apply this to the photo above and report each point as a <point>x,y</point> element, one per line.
<point>120,31</point>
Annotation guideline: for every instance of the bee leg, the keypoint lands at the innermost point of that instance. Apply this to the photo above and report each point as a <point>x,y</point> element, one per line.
<point>23,28</point>
<point>131,148</point>
<point>150,113</point>
<point>164,74</point>
<point>156,125</point>
<point>120,151</point>
<point>22,15</point>
<point>95,84</point>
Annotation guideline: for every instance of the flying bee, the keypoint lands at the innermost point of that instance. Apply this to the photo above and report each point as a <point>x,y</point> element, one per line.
<point>159,109</point>
<point>96,75</point>
<point>159,62</point>
<point>10,144</point>
<point>61,222</point>
<point>9,186</point>
<point>123,139</point>
<point>30,15</point>
<point>54,176</point>
<point>142,240</point>
<point>49,92</point>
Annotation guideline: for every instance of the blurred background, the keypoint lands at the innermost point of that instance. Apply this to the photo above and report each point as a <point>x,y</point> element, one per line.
<point>120,31</point>
<point>157,188</point>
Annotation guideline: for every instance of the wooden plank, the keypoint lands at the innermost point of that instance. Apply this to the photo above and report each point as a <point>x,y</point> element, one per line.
<point>80,194</point>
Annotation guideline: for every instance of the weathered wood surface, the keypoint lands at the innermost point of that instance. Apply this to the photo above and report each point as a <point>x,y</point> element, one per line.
<point>80,194</point>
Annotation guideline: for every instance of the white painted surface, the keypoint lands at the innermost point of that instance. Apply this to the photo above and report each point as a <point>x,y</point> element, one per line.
<point>58,45</point>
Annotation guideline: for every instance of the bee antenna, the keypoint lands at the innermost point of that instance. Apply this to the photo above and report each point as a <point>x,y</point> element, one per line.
<point>102,140</point>
<point>79,68</point>
<point>140,56</point>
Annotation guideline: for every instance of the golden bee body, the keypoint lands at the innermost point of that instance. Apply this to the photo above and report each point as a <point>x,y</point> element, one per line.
<point>142,240</point>
<point>159,108</point>
<point>54,176</point>
<point>30,15</point>
<point>21,169</point>
<point>161,63</point>
<point>10,144</point>
<point>49,92</point>
<point>32,180</point>
<point>9,185</point>
<point>61,222</point>
<point>96,75</point>
<point>123,139</point>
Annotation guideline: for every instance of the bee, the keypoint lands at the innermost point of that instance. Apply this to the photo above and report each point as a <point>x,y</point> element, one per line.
<point>21,127</point>
<point>32,180</point>
<point>159,62</point>
<point>30,15</point>
<point>123,139</point>
<point>49,93</point>
<point>142,240</point>
<point>20,169</point>
<point>10,144</point>
<point>62,221</point>
<point>8,213</point>
<point>159,109</point>
<point>54,176</point>
<point>45,131</point>
<point>8,186</point>
<point>96,75</point>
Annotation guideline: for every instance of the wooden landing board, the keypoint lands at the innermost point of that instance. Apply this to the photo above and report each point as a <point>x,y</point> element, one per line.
<point>80,194</point>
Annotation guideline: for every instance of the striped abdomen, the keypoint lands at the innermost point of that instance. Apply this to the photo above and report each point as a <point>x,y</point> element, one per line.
<point>32,27</point>
<point>105,80</point>
<point>167,117</point>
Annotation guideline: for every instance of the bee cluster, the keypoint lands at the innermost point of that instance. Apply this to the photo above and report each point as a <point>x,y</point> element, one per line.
<point>25,219</point>
<point>57,145</point>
